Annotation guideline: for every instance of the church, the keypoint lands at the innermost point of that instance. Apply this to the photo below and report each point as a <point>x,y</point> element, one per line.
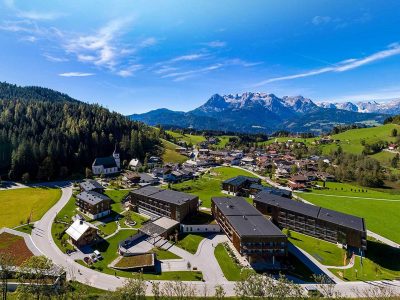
<point>107,165</point>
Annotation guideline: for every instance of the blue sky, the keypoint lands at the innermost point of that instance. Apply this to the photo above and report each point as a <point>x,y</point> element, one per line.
<point>132,56</point>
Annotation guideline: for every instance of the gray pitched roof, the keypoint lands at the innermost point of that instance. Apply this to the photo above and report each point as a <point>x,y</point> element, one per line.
<point>106,162</point>
<point>90,184</point>
<point>91,197</point>
<point>239,180</point>
<point>169,196</point>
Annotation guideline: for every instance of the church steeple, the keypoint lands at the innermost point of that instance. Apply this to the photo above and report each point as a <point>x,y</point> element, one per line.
<point>116,157</point>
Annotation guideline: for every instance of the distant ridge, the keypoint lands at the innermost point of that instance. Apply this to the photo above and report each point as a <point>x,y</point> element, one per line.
<point>260,112</point>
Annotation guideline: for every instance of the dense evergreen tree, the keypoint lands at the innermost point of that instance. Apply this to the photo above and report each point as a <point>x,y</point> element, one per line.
<point>46,134</point>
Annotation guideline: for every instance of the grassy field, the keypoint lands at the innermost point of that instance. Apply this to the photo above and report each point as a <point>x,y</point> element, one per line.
<point>170,155</point>
<point>381,263</point>
<point>18,204</point>
<point>326,253</point>
<point>209,185</point>
<point>189,242</point>
<point>188,138</point>
<point>380,210</point>
<point>350,140</point>
<point>26,228</point>
<point>232,271</point>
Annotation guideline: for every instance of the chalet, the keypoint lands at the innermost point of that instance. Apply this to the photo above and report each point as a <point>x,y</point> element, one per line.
<point>107,165</point>
<point>82,233</point>
<point>134,164</point>
<point>90,185</point>
<point>239,185</point>
<point>181,150</point>
<point>231,160</point>
<point>392,147</point>
<point>93,204</point>
<point>326,176</point>
<point>247,161</point>
<point>298,182</point>
<point>154,161</point>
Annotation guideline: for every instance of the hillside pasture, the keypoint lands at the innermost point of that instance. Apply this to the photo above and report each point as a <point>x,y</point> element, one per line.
<point>187,137</point>
<point>170,155</point>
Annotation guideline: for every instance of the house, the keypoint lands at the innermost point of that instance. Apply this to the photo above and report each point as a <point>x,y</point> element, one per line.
<point>89,185</point>
<point>232,160</point>
<point>325,224</point>
<point>239,185</point>
<point>142,179</point>
<point>154,161</point>
<point>107,165</point>
<point>247,161</point>
<point>254,236</point>
<point>93,204</point>
<point>298,182</point>
<point>392,147</point>
<point>167,203</point>
<point>82,233</point>
<point>134,164</point>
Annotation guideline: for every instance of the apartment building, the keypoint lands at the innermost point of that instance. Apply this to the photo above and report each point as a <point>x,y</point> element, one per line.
<point>253,236</point>
<point>93,204</point>
<point>326,224</point>
<point>167,203</point>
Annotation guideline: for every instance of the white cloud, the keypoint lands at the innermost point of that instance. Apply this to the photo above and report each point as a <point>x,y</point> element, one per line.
<point>31,14</point>
<point>319,20</point>
<point>180,76</point>
<point>75,74</point>
<point>52,58</point>
<point>129,71</point>
<point>342,66</point>
<point>216,44</point>
<point>189,57</point>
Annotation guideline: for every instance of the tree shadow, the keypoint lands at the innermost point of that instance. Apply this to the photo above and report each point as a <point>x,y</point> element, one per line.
<point>384,255</point>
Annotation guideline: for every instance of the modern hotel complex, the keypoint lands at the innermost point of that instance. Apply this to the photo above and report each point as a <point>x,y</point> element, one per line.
<point>253,236</point>
<point>313,220</point>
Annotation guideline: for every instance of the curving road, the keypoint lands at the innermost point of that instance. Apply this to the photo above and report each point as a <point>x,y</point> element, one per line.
<point>204,259</point>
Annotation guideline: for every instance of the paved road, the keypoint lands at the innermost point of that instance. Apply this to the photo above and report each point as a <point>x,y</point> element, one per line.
<point>204,259</point>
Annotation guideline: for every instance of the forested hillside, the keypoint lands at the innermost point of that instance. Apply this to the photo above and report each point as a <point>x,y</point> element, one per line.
<point>45,134</point>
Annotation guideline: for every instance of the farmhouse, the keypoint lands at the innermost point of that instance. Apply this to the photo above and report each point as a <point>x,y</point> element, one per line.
<point>239,185</point>
<point>298,182</point>
<point>315,221</point>
<point>134,164</point>
<point>107,165</point>
<point>93,204</point>
<point>171,204</point>
<point>253,236</point>
<point>82,233</point>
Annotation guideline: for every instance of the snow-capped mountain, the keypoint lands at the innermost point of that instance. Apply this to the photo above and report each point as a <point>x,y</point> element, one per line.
<point>255,112</point>
<point>391,107</point>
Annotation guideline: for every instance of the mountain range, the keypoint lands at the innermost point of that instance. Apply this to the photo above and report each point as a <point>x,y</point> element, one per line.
<point>391,107</point>
<point>263,112</point>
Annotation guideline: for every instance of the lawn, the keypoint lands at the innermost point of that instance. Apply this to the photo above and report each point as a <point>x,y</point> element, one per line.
<point>381,263</point>
<point>232,271</point>
<point>209,185</point>
<point>380,210</point>
<point>15,247</point>
<point>188,138</point>
<point>117,196</point>
<point>170,155</point>
<point>17,205</point>
<point>189,242</point>
<point>25,228</point>
<point>139,219</point>
<point>162,254</point>
<point>326,253</point>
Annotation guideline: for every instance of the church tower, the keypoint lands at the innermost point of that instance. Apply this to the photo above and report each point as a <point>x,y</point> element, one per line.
<point>116,157</point>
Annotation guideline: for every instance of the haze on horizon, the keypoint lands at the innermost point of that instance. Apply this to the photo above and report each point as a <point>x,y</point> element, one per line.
<point>133,57</point>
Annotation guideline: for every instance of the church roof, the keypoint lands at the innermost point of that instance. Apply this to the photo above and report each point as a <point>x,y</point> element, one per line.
<point>106,162</point>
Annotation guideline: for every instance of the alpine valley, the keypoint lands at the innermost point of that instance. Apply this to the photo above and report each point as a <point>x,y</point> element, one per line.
<point>263,112</point>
